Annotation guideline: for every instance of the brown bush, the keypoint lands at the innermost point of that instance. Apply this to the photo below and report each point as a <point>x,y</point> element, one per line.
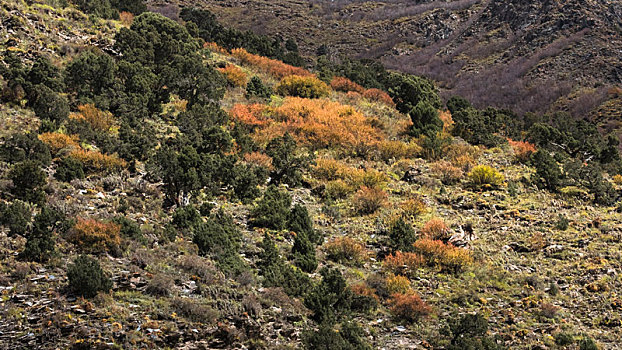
<point>378,95</point>
<point>436,229</point>
<point>413,207</point>
<point>368,200</point>
<point>448,173</point>
<point>403,263</point>
<point>347,251</point>
<point>345,85</point>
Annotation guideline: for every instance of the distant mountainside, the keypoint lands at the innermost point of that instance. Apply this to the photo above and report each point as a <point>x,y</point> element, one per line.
<point>530,56</point>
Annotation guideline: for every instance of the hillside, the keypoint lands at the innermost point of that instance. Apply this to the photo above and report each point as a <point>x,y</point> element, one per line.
<point>160,190</point>
<point>523,55</point>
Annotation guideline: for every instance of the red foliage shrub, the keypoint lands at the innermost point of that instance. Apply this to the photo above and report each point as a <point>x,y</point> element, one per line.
<point>402,263</point>
<point>378,95</point>
<point>94,236</point>
<point>436,229</point>
<point>408,307</point>
<point>345,85</point>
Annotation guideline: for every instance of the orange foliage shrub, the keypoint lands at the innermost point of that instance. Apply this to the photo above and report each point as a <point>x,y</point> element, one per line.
<point>275,68</point>
<point>126,18</point>
<point>346,250</point>
<point>314,123</point>
<point>363,290</point>
<point>98,119</point>
<point>302,86</point>
<point>259,159</point>
<point>522,149</point>
<point>95,161</point>
<point>57,141</point>
<point>436,229</point>
<point>234,75</point>
<point>345,85</point>
<point>402,263</point>
<point>448,122</point>
<point>444,256</point>
<point>94,236</point>
<point>252,115</point>
<point>408,307</point>
<point>368,200</point>
<point>378,95</point>
<point>397,284</point>
<point>215,48</point>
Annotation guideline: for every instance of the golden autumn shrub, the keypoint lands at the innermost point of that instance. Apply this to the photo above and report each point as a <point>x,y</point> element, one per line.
<point>259,159</point>
<point>378,95</point>
<point>617,179</point>
<point>522,149</point>
<point>397,284</point>
<point>313,123</point>
<point>126,18</point>
<point>368,200</point>
<point>345,85</point>
<point>408,307</point>
<point>338,189</point>
<point>57,141</point>
<point>95,161</point>
<point>234,75</point>
<point>98,120</point>
<point>445,256</point>
<point>347,251</point>
<point>94,236</point>
<point>302,86</point>
<point>275,68</point>
<point>413,207</point>
<point>395,150</point>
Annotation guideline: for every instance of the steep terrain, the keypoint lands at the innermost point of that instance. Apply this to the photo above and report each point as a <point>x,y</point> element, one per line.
<point>160,191</point>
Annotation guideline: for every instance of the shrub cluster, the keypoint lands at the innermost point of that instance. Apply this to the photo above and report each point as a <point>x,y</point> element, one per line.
<point>302,86</point>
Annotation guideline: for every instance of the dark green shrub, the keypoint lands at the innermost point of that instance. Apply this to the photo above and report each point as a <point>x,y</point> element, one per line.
<point>68,169</point>
<point>408,90</point>
<point>91,77</point>
<point>246,181</point>
<point>587,343</point>
<point>21,147</point>
<point>562,223</point>
<point>220,239</point>
<point>40,245</point>
<point>99,8</point>
<point>49,104</point>
<point>469,332</point>
<point>86,277</point>
<point>277,273</point>
<point>563,339</point>
<point>186,217</point>
<point>16,216</point>
<point>348,336</point>
<point>548,175</point>
<point>425,119</point>
<point>299,221</point>
<point>303,252</point>
<point>28,181</point>
<point>129,228</point>
<point>256,88</point>
<point>330,299</point>
<point>402,236</point>
<point>480,127</point>
<point>457,103</point>
<point>134,6</point>
<point>287,165</point>
<point>272,211</point>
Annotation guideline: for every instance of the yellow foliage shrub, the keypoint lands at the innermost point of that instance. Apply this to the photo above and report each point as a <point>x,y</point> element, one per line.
<point>617,179</point>
<point>302,86</point>
<point>413,207</point>
<point>397,284</point>
<point>94,236</point>
<point>484,176</point>
<point>338,189</point>
<point>395,150</point>
<point>234,75</point>
<point>57,141</point>
<point>275,68</point>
